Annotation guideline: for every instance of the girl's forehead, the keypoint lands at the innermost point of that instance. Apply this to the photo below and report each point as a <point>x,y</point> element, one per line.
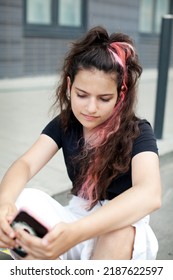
<point>95,74</point>
<point>95,81</point>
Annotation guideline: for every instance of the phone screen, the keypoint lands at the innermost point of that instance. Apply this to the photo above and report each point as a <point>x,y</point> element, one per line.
<point>25,221</point>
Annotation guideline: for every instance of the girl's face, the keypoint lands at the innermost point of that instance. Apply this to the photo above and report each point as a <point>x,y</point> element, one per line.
<point>93,97</point>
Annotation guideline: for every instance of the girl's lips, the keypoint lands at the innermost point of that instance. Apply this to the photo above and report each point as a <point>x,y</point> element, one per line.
<point>89,118</point>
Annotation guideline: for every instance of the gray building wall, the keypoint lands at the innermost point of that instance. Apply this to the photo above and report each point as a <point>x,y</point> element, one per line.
<point>11,39</point>
<point>43,56</point>
<point>30,56</point>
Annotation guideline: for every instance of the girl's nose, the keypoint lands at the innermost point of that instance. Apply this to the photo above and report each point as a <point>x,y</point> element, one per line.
<point>91,106</point>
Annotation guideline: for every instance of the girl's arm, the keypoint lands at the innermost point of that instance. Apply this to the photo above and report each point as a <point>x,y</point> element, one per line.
<point>20,172</point>
<point>143,198</point>
<point>24,168</point>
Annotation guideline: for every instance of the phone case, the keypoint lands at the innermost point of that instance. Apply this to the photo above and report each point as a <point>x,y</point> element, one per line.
<point>24,220</point>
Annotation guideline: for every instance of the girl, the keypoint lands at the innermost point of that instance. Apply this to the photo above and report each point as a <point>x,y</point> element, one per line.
<point>111,158</point>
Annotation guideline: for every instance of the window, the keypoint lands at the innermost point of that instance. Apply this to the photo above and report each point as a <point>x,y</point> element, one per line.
<point>150,16</point>
<point>38,12</point>
<point>68,13</point>
<point>55,18</point>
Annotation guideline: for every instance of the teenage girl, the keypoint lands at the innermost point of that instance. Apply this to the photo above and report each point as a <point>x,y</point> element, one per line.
<point>111,158</point>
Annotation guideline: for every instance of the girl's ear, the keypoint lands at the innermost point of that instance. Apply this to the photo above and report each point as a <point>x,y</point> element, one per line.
<point>68,84</point>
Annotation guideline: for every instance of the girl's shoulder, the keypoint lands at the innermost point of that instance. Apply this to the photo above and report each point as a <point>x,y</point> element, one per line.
<point>59,134</point>
<point>144,124</point>
<point>54,130</point>
<point>146,141</point>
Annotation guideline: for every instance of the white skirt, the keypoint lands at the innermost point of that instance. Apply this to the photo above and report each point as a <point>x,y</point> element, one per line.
<point>51,212</point>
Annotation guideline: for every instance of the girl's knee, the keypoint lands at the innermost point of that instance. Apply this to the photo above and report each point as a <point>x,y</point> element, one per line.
<point>28,197</point>
<point>115,245</point>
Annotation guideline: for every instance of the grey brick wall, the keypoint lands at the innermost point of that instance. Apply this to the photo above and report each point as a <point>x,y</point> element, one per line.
<point>11,41</point>
<point>148,51</point>
<point>31,56</point>
<point>114,15</point>
<point>43,55</point>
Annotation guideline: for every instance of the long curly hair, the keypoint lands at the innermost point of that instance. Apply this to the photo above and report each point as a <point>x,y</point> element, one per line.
<point>109,154</point>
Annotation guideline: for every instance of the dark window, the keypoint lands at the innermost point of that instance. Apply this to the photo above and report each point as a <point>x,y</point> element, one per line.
<point>55,18</point>
<point>151,12</point>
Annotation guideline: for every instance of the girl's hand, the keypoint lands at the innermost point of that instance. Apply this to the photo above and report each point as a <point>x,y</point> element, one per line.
<point>7,234</point>
<point>59,240</point>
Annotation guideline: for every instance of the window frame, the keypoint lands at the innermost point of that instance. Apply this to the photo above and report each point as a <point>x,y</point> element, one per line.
<point>153,30</point>
<point>54,30</point>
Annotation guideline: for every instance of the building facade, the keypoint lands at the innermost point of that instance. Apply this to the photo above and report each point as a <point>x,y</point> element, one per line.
<point>35,34</point>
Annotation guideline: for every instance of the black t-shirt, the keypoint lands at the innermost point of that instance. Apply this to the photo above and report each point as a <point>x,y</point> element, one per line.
<point>71,142</point>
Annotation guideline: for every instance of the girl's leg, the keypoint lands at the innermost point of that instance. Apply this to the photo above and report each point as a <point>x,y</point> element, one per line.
<point>116,245</point>
<point>137,242</point>
<point>43,207</point>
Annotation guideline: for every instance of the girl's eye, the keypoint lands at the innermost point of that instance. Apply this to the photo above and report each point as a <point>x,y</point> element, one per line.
<point>105,100</point>
<point>81,95</point>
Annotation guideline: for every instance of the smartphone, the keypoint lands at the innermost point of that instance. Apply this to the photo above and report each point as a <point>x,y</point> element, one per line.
<point>24,220</point>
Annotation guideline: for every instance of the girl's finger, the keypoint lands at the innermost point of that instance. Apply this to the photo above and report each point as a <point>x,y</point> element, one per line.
<point>7,229</point>
<point>5,245</point>
<point>34,247</point>
<point>28,239</point>
<point>7,241</point>
<point>32,244</point>
<point>32,252</point>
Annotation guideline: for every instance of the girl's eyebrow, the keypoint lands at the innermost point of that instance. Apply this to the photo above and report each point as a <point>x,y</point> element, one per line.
<point>104,94</point>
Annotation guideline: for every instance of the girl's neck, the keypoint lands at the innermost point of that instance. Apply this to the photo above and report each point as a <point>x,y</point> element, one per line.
<point>87,134</point>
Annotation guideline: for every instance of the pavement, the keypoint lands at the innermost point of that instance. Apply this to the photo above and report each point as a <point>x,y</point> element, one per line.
<point>25,110</point>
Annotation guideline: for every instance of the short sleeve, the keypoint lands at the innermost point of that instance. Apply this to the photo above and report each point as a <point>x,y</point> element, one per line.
<point>146,141</point>
<point>54,130</point>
